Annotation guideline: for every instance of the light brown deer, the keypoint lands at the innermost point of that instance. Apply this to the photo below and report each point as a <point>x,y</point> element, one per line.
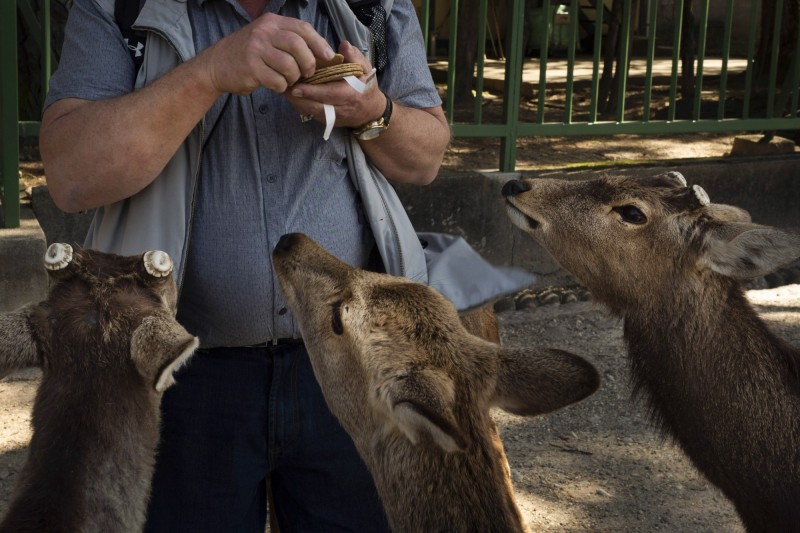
<point>107,342</point>
<point>413,389</point>
<point>669,262</point>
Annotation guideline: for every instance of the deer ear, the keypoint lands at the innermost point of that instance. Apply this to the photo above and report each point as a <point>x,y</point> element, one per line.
<point>742,250</point>
<point>159,347</point>
<point>421,401</point>
<point>18,347</point>
<point>536,381</point>
<point>727,213</point>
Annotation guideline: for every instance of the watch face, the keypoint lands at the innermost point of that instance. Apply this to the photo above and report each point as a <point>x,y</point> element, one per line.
<point>372,132</point>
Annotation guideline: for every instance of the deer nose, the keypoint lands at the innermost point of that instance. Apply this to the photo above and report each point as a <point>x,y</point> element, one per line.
<point>286,242</point>
<point>514,187</point>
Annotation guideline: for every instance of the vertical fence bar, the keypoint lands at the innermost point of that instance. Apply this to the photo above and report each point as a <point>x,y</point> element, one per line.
<point>483,20</point>
<point>651,53</point>
<point>773,67</point>
<point>544,42</point>
<point>47,53</point>
<point>598,45</point>
<point>676,54</point>
<point>701,55</point>
<point>755,7</point>
<point>425,25</point>
<point>573,31</point>
<point>451,61</point>
<point>795,78</point>
<point>624,60</point>
<point>9,114</point>
<point>513,84</point>
<point>726,52</point>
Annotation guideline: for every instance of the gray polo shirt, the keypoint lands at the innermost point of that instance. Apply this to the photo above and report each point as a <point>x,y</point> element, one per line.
<point>263,173</point>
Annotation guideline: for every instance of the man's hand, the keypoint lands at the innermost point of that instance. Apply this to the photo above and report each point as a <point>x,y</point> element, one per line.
<point>272,51</point>
<point>353,109</point>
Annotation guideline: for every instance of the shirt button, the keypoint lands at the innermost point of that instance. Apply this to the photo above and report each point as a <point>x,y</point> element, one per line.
<point>263,108</point>
<point>271,178</point>
<point>282,311</point>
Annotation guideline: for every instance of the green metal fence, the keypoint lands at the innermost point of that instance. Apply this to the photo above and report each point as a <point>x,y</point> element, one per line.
<point>11,128</point>
<point>714,105</point>
<point>729,97</point>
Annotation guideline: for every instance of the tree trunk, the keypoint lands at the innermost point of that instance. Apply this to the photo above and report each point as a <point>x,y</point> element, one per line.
<point>466,51</point>
<point>787,43</point>
<point>605,100</point>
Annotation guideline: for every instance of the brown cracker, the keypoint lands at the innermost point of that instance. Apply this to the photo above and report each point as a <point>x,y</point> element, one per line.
<point>334,73</point>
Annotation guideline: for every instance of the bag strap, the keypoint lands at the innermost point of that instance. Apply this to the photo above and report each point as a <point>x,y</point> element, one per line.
<point>125,14</point>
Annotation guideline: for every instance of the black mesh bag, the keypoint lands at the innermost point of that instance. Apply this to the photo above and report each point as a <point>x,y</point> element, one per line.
<point>372,15</point>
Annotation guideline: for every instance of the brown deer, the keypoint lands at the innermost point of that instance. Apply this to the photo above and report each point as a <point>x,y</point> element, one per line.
<point>107,342</point>
<point>671,263</point>
<point>413,389</point>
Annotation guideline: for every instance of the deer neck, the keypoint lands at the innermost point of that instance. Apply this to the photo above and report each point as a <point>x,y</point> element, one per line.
<point>466,490</point>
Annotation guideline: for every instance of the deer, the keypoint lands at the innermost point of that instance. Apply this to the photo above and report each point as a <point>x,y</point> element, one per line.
<point>672,265</point>
<point>108,344</point>
<point>413,388</point>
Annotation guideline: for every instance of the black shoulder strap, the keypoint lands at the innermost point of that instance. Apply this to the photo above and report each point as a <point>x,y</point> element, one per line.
<point>125,13</point>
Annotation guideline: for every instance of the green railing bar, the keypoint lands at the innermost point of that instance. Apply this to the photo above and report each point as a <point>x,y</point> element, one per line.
<point>544,43</point>
<point>425,23</point>
<point>796,78</point>
<point>676,53</point>
<point>624,59</point>
<point>598,44</point>
<point>701,53</point>
<point>513,86</point>
<point>47,55</point>
<point>651,53</point>
<point>773,67</point>
<point>9,115</point>
<point>483,20</point>
<point>573,30</point>
<point>530,129</point>
<point>751,52</point>
<point>726,52</point>
<point>451,61</point>
<point>29,129</point>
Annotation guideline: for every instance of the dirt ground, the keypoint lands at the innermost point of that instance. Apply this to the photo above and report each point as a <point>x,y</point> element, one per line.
<point>595,466</point>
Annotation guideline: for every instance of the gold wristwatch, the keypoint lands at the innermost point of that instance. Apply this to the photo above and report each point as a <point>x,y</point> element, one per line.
<point>373,129</point>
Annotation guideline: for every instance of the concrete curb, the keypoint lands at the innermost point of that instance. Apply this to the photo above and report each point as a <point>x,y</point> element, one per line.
<point>471,205</point>
<point>23,278</point>
<point>468,204</point>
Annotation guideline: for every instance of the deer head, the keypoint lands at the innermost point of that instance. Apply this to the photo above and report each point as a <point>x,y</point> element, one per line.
<point>626,237</point>
<point>102,310</point>
<point>394,351</point>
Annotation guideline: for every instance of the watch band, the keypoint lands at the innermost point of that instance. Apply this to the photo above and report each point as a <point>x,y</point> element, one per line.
<point>374,128</point>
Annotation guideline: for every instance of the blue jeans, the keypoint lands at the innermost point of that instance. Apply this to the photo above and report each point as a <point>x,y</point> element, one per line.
<point>240,415</point>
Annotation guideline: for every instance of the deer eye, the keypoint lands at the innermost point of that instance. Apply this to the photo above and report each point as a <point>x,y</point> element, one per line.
<point>336,318</point>
<point>631,214</point>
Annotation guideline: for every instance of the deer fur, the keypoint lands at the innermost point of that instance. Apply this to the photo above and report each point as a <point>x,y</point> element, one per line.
<point>671,263</point>
<point>413,389</point>
<point>107,342</point>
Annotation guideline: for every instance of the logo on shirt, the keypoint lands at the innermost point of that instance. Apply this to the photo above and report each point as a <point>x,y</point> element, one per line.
<point>136,50</point>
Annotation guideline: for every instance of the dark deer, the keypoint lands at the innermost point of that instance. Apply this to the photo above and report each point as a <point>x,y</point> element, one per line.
<point>671,263</point>
<point>107,342</point>
<point>413,389</point>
